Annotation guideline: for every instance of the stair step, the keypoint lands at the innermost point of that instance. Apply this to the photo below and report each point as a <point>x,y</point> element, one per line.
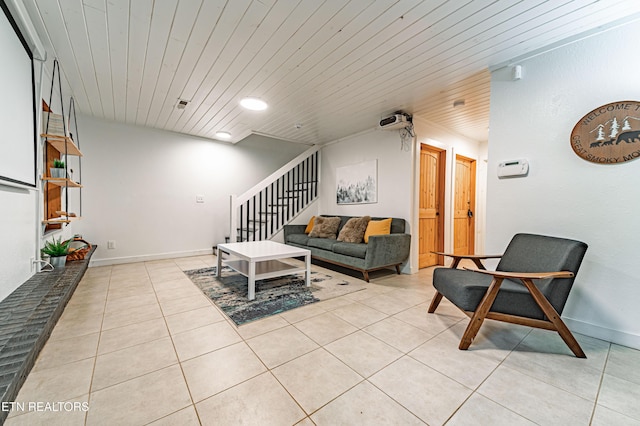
<point>253,230</point>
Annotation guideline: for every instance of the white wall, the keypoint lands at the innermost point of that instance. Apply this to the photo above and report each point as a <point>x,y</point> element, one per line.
<point>140,188</point>
<point>565,195</point>
<point>430,133</point>
<point>394,175</point>
<point>18,230</point>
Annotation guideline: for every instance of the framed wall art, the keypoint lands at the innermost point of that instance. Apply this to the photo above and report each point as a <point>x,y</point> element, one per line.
<point>357,183</point>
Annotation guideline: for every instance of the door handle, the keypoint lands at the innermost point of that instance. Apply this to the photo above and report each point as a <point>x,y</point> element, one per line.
<point>469,213</point>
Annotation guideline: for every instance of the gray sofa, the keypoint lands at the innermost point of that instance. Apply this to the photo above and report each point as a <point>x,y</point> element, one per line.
<point>382,251</point>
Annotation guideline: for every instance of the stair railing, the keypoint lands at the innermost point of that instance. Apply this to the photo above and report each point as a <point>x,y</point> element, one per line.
<point>263,210</point>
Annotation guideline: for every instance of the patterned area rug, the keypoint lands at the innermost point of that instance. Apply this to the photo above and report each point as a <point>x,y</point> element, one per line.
<point>273,296</point>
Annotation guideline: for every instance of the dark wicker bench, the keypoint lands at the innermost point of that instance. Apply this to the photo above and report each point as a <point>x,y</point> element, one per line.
<point>27,317</point>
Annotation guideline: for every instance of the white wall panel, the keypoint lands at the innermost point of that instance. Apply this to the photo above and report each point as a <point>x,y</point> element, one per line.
<point>223,26</point>
<point>139,27</point>
<point>100,54</point>
<point>161,25</point>
<point>315,63</point>
<point>76,29</point>
<point>181,30</point>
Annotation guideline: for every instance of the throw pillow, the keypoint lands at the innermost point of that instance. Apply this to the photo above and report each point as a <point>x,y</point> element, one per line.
<point>353,231</point>
<point>309,225</point>
<point>325,227</point>
<point>377,227</point>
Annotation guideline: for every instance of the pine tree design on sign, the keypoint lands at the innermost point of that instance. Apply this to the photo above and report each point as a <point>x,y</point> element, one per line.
<point>609,134</point>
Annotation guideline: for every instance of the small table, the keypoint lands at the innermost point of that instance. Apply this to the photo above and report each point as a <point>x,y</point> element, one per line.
<point>258,260</point>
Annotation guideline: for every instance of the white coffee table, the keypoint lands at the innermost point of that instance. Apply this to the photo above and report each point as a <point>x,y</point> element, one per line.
<point>259,260</point>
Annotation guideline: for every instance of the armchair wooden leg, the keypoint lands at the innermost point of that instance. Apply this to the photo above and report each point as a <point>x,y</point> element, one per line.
<point>366,275</point>
<point>435,302</point>
<point>398,269</point>
<point>480,313</point>
<point>479,264</point>
<point>554,317</point>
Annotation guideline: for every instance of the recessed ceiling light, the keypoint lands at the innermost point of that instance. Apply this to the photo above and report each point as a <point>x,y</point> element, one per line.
<point>254,104</point>
<point>223,135</point>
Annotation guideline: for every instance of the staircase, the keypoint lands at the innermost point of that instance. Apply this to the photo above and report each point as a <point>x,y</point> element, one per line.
<point>263,210</point>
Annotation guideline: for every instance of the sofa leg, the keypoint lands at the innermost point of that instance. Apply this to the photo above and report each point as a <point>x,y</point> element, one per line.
<point>398,269</point>
<point>366,275</point>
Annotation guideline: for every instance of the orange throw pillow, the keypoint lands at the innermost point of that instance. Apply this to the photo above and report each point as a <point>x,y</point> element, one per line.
<point>377,227</point>
<point>309,225</point>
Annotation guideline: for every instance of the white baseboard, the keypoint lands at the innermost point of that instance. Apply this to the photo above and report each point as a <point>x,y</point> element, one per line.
<point>147,257</point>
<point>603,333</point>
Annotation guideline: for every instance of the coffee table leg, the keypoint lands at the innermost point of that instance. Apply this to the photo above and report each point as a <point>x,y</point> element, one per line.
<point>307,260</point>
<point>252,280</point>
<point>219,269</point>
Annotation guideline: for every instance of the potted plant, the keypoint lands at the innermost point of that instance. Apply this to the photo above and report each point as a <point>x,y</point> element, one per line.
<point>58,170</point>
<point>57,251</point>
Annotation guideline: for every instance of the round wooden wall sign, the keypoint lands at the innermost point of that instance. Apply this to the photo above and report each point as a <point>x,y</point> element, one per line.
<point>609,134</point>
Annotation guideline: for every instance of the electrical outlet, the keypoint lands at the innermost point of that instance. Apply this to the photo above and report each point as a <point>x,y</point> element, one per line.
<point>111,244</point>
<point>199,198</point>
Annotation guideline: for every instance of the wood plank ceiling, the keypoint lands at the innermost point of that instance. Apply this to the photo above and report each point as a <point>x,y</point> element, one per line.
<point>332,67</point>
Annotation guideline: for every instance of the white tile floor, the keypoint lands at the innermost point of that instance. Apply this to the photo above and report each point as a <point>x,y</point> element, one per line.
<point>139,344</point>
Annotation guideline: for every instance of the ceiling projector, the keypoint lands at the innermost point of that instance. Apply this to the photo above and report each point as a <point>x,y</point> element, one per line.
<point>398,120</point>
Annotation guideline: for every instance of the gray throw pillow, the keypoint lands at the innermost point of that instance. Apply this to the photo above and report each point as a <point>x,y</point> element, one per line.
<point>353,231</point>
<point>325,227</point>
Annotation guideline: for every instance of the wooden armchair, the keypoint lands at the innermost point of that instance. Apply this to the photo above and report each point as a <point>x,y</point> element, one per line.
<point>530,286</point>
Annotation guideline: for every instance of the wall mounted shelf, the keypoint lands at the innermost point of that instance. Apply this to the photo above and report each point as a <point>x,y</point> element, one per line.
<point>56,221</point>
<point>62,182</point>
<point>59,142</point>
<point>59,146</point>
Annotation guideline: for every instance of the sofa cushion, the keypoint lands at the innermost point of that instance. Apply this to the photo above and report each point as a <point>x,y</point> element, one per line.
<point>351,249</point>
<point>377,227</point>
<point>310,225</point>
<point>321,243</point>
<point>325,227</point>
<point>353,231</point>
<point>300,239</point>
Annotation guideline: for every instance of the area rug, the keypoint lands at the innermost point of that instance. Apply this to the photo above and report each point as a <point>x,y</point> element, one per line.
<point>273,296</point>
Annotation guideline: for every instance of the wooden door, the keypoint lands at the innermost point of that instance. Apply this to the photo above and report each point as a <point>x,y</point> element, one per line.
<point>464,205</point>
<point>431,224</point>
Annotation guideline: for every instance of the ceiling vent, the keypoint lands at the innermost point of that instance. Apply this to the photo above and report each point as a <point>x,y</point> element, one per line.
<point>399,120</point>
<point>182,104</point>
